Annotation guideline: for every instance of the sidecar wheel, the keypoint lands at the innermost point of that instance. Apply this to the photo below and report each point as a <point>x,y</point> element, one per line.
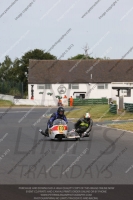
<point>77,139</point>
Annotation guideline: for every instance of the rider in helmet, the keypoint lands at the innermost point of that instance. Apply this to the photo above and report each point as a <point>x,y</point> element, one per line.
<point>84,125</point>
<point>58,115</point>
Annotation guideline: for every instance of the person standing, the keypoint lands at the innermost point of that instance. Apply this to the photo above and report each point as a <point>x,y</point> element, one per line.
<point>71,101</point>
<point>60,102</point>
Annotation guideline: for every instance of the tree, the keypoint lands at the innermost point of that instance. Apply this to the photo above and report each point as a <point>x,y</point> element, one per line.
<point>106,58</point>
<point>5,66</point>
<point>24,63</point>
<point>80,56</point>
<point>14,71</point>
<point>13,74</point>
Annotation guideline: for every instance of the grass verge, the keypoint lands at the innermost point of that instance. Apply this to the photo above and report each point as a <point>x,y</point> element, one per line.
<point>125,126</point>
<point>98,113</point>
<point>5,103</point>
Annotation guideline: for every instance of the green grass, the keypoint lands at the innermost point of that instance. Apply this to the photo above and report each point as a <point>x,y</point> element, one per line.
<point>125,126</point>
<point>98,113</point>
<point>5,103</point>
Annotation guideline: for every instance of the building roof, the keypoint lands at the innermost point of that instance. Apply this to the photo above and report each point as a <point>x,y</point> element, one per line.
<point>80,71</point>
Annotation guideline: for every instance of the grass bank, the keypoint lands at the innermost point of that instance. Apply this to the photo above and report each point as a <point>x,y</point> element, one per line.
<point>98,113</point>
<point>125,126</point>
<point>5,103</point>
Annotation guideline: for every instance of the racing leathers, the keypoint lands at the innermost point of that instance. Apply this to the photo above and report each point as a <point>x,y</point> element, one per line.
<point>83,127</point>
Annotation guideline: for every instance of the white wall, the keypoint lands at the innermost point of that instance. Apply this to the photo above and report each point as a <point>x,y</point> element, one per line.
<point>96,93</point>
<point>129,99</point>
<point>90,89</point>
<point>91,92</point>
<point>7,97</point>
<point>123,84</point>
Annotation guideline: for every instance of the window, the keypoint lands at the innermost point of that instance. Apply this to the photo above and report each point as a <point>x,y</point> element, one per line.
<point>106,86</point>
<point>82,96</point>
<point>75,86</point>
<point>47,86</point>
<point>39,87</point>
<point>69,86</point>
<point>124,91</point>
<point>102,86</point>
<point>42,87</point>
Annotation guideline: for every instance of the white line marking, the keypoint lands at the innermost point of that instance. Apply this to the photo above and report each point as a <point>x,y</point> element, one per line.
<point>14,112</point>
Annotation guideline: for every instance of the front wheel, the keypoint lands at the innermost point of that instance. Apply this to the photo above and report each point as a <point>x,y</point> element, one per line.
<point>77,139</point>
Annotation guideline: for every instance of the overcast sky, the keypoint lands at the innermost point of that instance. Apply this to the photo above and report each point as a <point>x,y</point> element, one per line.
<point>46,21</point>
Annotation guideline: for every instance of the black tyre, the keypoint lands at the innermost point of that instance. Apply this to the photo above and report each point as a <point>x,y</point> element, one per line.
<point>77,139</point>
<point>60,138</point>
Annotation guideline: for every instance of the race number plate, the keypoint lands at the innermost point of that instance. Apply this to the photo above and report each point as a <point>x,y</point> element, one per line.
<point>61,128</point>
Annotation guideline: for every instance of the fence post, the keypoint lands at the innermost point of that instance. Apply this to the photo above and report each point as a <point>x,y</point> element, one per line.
<point>22,89</point>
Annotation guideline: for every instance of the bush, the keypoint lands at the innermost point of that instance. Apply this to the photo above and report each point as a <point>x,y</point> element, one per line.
<point>14,92</point>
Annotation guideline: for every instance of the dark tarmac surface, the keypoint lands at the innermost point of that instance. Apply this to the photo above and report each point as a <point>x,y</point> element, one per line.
<point>19,135</point>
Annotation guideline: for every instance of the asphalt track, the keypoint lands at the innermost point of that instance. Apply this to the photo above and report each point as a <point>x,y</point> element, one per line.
<point>18,136</point>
